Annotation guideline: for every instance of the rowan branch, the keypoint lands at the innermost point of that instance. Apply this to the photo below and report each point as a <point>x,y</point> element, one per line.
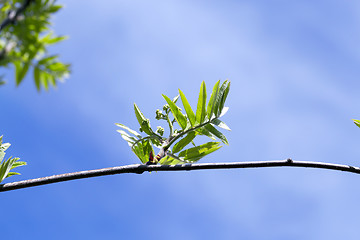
<point>139,169</point>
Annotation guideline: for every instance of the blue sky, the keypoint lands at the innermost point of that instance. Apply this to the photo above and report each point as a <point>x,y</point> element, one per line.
<point>293,66</point>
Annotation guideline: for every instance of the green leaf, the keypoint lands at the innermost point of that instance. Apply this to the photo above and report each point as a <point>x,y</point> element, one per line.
<point>22,73</point>
<point>196,153</point>
<point>176,98</point>
<point>54,8</point>
<point>12,174</point>
<point>183,142</point>
<point>37,78</point>
<point>138,150</point>
<point>223,97</point>
<point>203,131</point>
<point>167,160</point>
<point>9,164</point>
<point>144,122</point>
<point>211,108</point>
<point>47,59</point>
<point>224,111</point>
<point>44,77</point>
<point>201,106</point>
<point>180,118</point>
<point>127,137</point>
<point>357,122</point>
<point>128,129</point>
<point>56,39</point>
<point>142,150</point>
<point>216,133</point>
<point>220,124</point>
<point>218,102</point>
<point>18,163</point>
<point>189,111</point>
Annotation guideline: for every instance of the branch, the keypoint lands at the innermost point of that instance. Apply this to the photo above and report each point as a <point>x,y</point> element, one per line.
<point>12,16</point>
<point>139,168</point>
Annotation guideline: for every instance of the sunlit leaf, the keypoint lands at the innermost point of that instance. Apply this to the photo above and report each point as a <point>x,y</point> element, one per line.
<point>211,108</point>
<point>201,106</point>
<point>180,118</point>
<point>203,131</point>
<point>357,122</point>
<point>183,142</point>
<point>188,110</point>
<point>128,129</point>
<point>224,111</point>
<point>144,122</point>
<point>220,97</point>
<point>196,153</point>
<point>176,98</point>
<point>220,124</point>
<point>223,98</point>
<point>216,133</point>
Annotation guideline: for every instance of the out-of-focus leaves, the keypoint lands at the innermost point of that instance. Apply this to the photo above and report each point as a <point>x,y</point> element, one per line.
<point>37,78</point>
<point>25,43</point>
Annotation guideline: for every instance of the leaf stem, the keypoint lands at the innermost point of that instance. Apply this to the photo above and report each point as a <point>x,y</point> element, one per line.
<point>170,125</point>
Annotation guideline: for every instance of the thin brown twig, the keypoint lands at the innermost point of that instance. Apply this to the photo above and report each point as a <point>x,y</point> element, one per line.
<point>139,168</point>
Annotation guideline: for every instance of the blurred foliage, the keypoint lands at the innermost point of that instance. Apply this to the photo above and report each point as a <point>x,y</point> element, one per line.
<point>191,124</point>
<point>7,165</point>
<point>24,43</point>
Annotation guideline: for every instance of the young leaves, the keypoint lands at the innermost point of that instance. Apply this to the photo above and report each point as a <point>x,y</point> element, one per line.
<point>144,122</point>
<point>213,102</point>
<point>201,106</point>
<point>7,165</point>
<point>180,118</point>
<point>189,111</point>
<point>174,149</point>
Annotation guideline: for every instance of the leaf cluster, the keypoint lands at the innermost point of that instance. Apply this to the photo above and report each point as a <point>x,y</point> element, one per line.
<point>7,165</point>
<point>175,149</point>
<point>24,44</point>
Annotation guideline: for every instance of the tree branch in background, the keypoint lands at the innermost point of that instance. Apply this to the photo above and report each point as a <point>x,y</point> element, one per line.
<point>13,14</point>
<point>139,169</point>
